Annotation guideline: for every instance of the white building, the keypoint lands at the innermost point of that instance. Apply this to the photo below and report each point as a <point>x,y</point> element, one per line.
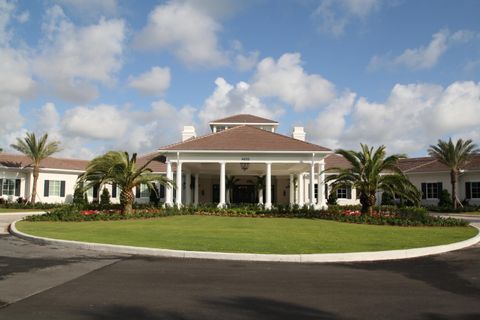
<point>241,148</point>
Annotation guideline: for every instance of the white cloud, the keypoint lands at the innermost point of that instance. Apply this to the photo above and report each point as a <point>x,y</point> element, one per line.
<point>6,10</point>
<point>287,80</point>
<point>91,8</point>
<point>189,33</point>
<point>413,117</point>
<point>245,62</point>
<point>228,99</point>
<point>330,123</point>
<point>75,59</point>
<point>154,82</point>
<point>99,122</point>
<point>333,17</point>
<point>424,57</point>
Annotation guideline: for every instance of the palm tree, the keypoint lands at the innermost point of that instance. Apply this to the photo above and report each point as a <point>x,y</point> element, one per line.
<point>455,156</point>
<point>36,150</point>
<point>230,183</point>
<point>260,186</point>
<point>117,167</point>
<point>372,171</point>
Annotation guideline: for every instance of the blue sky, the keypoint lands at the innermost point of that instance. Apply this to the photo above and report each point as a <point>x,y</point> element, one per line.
<point>110,74</point>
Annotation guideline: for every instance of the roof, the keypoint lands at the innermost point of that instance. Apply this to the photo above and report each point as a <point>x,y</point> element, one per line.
<point>155,166</point>
<point>244,118</point>
<point>20,161</point>
<point>336,161</point>
<point>245,138</point>
<point>429,164</point>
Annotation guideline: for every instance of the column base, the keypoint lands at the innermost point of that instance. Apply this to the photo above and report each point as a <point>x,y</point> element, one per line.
<point>267,206</point>
<point>222,205</point>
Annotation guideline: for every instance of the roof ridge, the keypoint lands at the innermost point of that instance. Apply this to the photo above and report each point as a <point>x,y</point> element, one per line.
<point>243,114</point>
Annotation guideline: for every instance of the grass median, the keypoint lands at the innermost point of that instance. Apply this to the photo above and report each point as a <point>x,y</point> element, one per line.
<point>252,235</point>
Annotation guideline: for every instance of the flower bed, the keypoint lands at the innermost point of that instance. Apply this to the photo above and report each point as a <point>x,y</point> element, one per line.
<point>409,216</point>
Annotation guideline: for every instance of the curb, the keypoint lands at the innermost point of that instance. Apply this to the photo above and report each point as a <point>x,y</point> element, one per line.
<point>299,258</point>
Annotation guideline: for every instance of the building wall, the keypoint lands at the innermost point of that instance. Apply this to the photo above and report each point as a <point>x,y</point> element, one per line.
<point>15,174</point>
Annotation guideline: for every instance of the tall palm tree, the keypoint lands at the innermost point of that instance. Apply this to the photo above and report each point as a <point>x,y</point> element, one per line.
<point>117,167</point>
<point>371,171</point>
<point>455,156</point>
<point>36,150</point>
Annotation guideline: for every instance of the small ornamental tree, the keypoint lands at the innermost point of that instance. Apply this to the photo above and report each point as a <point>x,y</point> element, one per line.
<point>445,200</point>
<point>332,199</point>
<point>105,198</point>
<point>79,197</point>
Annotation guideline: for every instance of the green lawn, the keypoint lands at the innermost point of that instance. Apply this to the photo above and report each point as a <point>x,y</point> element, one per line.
<point>9,210</point>
<point>255,235</point>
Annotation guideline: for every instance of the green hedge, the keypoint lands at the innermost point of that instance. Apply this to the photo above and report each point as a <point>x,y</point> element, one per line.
<point>408,216</point>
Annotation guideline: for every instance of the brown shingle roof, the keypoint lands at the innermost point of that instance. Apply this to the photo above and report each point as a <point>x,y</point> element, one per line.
<point>336,161</point>
<point>429,164</point>
<point>245,138</point>
<point>20,161</point>
<point>155,166</point>
<point>244,118</point>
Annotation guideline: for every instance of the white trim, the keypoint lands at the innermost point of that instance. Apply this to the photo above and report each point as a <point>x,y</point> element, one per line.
<point>244,123</point>
<point>174,151</point>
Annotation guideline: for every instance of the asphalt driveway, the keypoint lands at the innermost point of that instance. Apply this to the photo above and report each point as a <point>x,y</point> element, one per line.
<point>433,288</point>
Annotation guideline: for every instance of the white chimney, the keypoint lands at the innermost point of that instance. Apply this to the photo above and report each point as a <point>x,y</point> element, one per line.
<point>298,133</point>
<point>188,133</point>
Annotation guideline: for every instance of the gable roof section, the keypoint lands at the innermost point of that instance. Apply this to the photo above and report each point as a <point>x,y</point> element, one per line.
<point>10,160</point>
<point>244,118</point>
<point>155,166</point>
<point>429,164</point>
<point>245,138</point>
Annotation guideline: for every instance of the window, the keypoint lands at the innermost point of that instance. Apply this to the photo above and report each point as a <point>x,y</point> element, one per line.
<point>144,191</point>
<point>55,188</point>
<point>472,190</point>
<point>344,193</point>
<point>431,190</point>
<point>8,188</point>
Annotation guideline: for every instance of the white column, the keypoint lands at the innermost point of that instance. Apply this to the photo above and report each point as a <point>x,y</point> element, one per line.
<point>169,187</point>
<point>178,199</point>
<point>188,189</point>
<point>300,189</point>
<point>292,190</point>
<point>195,194</point>
<point>222,185</point>
<point>312,184</point>
<point>268,186</point>
<point>321,184</point>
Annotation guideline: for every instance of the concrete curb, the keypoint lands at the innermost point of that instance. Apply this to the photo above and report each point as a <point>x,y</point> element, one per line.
<point>18,213</point>
<point>312,258</point>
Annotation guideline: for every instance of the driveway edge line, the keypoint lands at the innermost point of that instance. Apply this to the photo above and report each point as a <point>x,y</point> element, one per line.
<point>310,258</point>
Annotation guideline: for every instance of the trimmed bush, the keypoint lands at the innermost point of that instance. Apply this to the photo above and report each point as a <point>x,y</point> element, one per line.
<point>408,216</point>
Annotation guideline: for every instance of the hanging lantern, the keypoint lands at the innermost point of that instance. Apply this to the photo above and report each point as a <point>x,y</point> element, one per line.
<point>244,165</point>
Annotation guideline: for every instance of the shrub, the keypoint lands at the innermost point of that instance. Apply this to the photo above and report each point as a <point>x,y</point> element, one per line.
<point>387,199</point>
<point>332,199</point>
<point>79,197</point>
<point>408,216</point>
<point>445,200</point>
<point>105,198</point>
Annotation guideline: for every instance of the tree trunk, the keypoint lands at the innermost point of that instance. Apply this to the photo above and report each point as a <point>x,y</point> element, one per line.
<point>260,196</point>
<point>368,202</point>
<point>34,187</point>
<point>453,179</point>
<point>126,200</point>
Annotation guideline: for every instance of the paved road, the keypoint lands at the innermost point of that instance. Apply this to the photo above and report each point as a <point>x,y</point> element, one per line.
<point>432,288</point>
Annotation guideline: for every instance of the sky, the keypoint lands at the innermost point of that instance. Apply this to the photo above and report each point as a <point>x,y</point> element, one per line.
<point>128,75</point>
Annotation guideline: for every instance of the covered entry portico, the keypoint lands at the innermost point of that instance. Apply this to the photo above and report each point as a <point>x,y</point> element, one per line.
<point>202,162</point>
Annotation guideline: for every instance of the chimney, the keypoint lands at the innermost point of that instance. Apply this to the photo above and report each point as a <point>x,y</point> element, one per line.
<point>298,133</point>
<point>188,133</point>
